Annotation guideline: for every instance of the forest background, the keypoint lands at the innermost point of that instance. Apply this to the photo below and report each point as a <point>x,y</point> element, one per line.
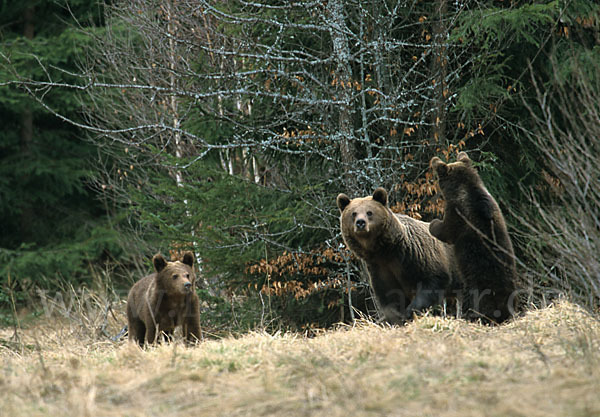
<point>229,127</point>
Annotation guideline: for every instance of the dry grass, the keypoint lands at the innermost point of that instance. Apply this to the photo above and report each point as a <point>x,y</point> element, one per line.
<point>545,363</point>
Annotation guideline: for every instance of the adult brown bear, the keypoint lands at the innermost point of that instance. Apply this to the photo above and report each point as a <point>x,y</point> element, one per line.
<point>409,270</point>
<point>473,224</point>
<point>164,300</point>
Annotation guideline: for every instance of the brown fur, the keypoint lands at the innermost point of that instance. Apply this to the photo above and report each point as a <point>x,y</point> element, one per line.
<point>408,268</point>
<point>160,302</point>
<point>473,224</point>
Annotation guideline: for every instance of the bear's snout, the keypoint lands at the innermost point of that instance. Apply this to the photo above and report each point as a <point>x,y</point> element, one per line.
<point>361,224</point>
<point>187,286</point>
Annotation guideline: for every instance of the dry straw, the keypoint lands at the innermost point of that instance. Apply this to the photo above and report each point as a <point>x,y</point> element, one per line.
<point>544,363</point>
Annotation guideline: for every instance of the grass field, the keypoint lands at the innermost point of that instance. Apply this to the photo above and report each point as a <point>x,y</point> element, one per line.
<point>545,363</point>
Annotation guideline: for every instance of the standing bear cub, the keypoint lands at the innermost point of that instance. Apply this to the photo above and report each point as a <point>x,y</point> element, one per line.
<point>409,270</point>
<point>473,224</point>
<point>160,302</point>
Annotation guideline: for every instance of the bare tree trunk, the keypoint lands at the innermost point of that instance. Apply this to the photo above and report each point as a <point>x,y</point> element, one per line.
<point>27,213</point>
<point>172,85</point>
<point>343,78</point>
<point>363,113</point>
<point>173,56</point>
<point>439,65</point>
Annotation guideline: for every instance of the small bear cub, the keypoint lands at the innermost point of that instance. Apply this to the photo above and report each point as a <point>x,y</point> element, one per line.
<point>164,300</point>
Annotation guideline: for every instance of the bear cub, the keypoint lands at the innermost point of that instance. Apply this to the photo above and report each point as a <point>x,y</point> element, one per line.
<point>164,300</point>
<point>473,224</point>
<point>409,270</point>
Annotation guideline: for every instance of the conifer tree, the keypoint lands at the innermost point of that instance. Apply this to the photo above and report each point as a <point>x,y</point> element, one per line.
<point>53,225</point>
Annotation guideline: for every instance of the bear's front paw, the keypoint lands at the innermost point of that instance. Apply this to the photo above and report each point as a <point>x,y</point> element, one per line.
<point>436,228</point>
<point>439,166</point>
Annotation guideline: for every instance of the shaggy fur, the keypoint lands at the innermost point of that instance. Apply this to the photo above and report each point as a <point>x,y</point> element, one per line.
<point>408,268</point>
<point>473,224</point>
<point>160,302</point>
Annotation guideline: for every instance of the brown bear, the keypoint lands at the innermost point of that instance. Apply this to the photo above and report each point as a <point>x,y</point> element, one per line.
<point>473,224</point>
<point>409,270</point>
<point>160,302</point>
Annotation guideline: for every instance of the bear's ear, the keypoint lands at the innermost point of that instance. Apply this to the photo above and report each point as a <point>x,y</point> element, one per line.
<point>159,262</point>
<point>380,195</point>
<point>464,158</point>
<point>342,201</point>
<point>188,258</point>
<point>438,166</point>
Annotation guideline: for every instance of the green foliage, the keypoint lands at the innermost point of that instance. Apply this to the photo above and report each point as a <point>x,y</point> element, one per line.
<point>240,155</point>
<point>234,221</point>
<point>32,265</point>
<point>493,26</point>
<point>506,38</point>
<point>53,226</point>
<point>511,40</point>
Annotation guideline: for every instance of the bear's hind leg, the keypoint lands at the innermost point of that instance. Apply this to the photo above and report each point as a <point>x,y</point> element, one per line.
<point>426,297</point>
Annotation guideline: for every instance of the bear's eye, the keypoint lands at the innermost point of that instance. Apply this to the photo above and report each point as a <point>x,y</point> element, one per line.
<point>353,214</point>
<point>175,276</point>
<point>187,276</point>
<point>369,213</point>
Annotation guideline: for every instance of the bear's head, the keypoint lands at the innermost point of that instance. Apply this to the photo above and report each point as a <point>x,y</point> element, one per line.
<point>175,278</point>
<point>363,219</point>
<point>457,177</point>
